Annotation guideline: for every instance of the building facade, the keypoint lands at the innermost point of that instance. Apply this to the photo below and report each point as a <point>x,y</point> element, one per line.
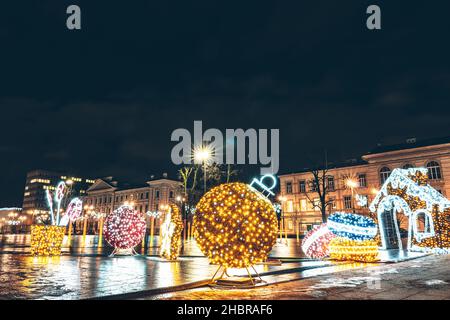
<point>361,179</point>
<point>106,195</point>
<point>38,181</point>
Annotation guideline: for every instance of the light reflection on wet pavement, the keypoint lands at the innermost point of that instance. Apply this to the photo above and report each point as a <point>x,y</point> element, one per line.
<point>89,273</point>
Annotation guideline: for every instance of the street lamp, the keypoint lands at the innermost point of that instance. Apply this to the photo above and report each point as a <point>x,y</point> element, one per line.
<point>352,184</point>
<point>203,155</point>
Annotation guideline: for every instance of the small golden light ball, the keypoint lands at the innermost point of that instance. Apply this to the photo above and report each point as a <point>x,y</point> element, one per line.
<point>235,226</point>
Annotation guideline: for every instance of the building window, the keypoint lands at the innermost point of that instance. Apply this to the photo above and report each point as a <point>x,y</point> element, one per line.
<point>385,172</point>
<point>434,170</point>
<point>157,194</point>
<point>142,196</point>
<point>347,202</point>
<point>316,204</point>
<point>290,206</point>
<point>330,180</point>
<point>303,205</point>
<point>302,186</point>
<point>313,186</point>
<point>146,208</point>
<point>407,166</point>
<point>362,180</point>
<point>331,204</point>
<point>288,187</point>
<point>146,195</point>
<point>171,195</point>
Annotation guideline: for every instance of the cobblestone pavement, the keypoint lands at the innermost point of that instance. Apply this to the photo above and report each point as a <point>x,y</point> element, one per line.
<point>419,279</point>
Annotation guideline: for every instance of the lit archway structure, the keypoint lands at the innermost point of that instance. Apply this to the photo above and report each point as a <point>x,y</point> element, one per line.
<point>390,206</point>
<point>408,191</point>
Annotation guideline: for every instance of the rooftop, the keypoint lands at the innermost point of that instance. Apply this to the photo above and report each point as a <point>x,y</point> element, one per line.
<point>410,144</point>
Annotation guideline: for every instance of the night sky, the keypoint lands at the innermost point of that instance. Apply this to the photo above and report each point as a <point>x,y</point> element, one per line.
<point>104,100</point>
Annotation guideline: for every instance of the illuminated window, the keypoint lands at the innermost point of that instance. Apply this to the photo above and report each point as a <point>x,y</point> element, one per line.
<point>290,206</point>
<point>434,170</point>
<point>46,181</point>
<point>303,205</point>
<point>385,172</point>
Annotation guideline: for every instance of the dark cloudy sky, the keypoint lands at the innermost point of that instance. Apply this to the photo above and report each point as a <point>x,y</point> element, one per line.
<point>104,100</point>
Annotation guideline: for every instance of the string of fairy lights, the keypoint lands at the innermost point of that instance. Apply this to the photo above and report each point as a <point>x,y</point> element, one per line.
<point>235,226</point>
<point>171,231</point>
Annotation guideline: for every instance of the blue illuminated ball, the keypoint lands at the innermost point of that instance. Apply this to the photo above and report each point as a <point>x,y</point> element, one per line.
<point>352,226</point>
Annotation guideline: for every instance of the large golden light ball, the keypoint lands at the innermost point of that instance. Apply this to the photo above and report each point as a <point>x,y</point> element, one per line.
<point>235,226</point>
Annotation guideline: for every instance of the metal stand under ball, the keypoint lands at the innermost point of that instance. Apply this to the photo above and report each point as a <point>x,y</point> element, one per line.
<point>117,250</point>
<point>235,281</point>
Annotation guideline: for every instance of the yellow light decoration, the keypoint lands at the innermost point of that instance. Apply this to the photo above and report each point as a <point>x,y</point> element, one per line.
<point>353,250</point>
<point>441,217</point>
<point>171,234</point>
<point>46,240</point>
<point>235,226</point>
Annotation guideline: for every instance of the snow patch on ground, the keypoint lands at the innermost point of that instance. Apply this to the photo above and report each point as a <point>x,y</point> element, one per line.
<point>435,282</point>
<point>342,282</point>
<point>380,272</point>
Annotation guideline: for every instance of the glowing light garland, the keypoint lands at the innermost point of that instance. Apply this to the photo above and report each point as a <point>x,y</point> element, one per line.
<point>124,228</point>
<point>74,209</point>
<point>171,231</point>
<point>352,226</point>
<point>407,190</point>
<point>355,250</point>
<point>153,214</point>
<point>316,243</point>
<point>46,240</point>
<point>361,200</point>
<point>49,198</point>
<point>404,179</point>
<point>235,226</point>
<point>59,195</point>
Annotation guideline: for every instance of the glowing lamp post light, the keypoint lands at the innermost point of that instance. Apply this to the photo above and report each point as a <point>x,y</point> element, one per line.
<point>203,155</point>
<point>352,184</point>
